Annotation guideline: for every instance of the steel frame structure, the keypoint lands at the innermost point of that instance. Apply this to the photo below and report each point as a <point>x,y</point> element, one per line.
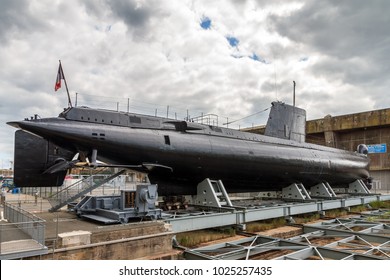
<point>331,240</point>
<point>211,217</point>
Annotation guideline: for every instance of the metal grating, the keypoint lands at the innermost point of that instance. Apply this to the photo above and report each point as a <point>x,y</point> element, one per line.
<point>338,239</point>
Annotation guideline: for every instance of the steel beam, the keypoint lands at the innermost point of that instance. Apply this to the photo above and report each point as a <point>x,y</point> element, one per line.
<point>241,215</point>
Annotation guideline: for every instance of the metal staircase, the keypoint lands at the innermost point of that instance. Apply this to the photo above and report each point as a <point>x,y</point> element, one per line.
<point>77,190</point>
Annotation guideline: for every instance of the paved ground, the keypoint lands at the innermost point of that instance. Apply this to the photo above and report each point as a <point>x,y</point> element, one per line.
<point>14,241</point>
<point>58,222</point>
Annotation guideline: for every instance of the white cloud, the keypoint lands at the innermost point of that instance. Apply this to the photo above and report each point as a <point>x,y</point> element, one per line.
<point>157,54</point>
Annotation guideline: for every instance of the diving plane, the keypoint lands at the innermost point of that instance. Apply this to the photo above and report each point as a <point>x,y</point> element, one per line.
<point>178,154</point>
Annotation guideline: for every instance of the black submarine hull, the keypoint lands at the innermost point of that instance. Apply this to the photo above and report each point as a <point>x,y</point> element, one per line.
<point>177,155</point>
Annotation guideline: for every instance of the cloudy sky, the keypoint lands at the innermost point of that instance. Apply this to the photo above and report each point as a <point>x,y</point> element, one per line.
<point>230,58</point>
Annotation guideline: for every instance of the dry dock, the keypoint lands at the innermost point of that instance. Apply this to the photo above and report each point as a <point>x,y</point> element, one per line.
<point>63,236</point>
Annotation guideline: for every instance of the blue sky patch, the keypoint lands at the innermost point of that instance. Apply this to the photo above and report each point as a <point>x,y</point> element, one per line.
<point>205,23</point>
<point>233,41</point>
<point>254,57</point>
<point>258,58</point>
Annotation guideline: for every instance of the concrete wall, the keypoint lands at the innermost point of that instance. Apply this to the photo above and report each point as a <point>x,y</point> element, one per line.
<point>122,249</point>
<point>349,140</point>
<point>381,181</point>
<point>347,132</point>
<point>149,241</point>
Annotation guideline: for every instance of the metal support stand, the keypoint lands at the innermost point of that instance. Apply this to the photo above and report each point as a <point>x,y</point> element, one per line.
<point>145,199</point>
<point>93,158</point>
<point>358,187</point>
<point>295,192</point>
<point>212,193</point>
<point>121,208</point>
<point>323,190</point>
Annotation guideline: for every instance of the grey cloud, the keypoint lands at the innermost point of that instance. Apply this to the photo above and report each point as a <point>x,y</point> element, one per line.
<point>317,96</point>
<point>348,42</point>
<point>351,39</point>
<point>343,29</point>
<point>356,72</point>
<point>268,86</point>
<point>97,8</point>
<point>277,88</point>
<point>15,18</point>
<point>137,17</point>
<point>130,13</point>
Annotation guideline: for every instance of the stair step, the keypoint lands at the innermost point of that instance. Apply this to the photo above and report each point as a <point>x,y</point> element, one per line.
<point>72,197</point>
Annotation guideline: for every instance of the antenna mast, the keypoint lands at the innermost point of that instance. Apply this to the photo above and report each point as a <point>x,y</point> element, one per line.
<point>294,93</point>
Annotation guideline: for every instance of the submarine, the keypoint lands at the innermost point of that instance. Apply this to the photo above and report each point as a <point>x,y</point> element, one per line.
<point>178,154</point>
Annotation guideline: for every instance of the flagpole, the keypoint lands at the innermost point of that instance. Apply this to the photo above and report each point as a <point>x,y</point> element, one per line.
<point>66,86</point>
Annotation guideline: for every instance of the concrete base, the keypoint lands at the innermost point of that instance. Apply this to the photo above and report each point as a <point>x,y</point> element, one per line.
<point>149,240</point>
<point>74,238</point>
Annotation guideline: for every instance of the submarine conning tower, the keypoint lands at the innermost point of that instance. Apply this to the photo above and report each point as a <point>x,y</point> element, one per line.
<point>286,122</point>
